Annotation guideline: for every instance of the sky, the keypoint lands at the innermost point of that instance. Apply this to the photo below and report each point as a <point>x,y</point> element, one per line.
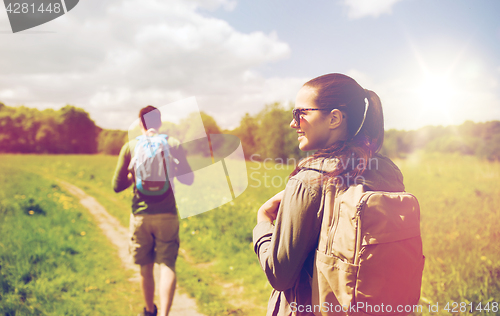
<point>431,62</point>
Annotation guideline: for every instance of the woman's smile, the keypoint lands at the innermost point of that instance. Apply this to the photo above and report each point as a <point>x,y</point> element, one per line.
<point>300,135</point>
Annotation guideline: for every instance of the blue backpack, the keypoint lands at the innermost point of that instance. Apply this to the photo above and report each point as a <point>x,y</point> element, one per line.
<point>151,163</point>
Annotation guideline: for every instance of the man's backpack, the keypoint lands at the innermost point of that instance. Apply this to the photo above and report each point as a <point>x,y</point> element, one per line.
<point>151,163</point>
<point>369,259</point>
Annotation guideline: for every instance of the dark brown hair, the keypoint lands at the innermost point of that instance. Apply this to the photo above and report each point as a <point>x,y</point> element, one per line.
<point>337,91</point>
<point>152,120</point>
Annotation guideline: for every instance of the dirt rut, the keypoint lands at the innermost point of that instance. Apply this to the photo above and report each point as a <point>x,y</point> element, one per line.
<point>183,305</point>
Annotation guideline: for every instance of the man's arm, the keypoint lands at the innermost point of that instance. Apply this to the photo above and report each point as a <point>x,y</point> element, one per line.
<point>182,169</point>
<point>121,181</point>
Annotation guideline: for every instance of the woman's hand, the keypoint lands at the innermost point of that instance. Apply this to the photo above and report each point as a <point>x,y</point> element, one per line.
<point>269,210</point>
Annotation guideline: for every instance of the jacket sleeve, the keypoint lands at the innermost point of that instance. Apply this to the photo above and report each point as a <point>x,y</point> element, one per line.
<point>120,181</point>
<point>282,248</point>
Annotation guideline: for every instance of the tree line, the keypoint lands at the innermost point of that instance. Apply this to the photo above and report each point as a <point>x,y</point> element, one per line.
<point>266,134</point>
<point>65,131</point>
<point>469,138</point>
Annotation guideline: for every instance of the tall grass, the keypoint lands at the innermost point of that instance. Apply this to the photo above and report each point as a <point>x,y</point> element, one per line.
<point>216,263</point>
<point>460,219</point>
<point>53,258</point>
<point>459,198</point>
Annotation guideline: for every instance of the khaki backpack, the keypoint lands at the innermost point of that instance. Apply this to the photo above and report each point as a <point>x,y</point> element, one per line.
<point>369,259</point>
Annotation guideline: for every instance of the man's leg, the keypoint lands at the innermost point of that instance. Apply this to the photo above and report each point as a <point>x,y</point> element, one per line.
<point>167,248</point>
<point>167,289</point>
<point>148,286</point>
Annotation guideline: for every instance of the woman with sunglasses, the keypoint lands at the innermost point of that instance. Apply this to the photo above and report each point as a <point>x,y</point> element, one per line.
<point>343,123</point>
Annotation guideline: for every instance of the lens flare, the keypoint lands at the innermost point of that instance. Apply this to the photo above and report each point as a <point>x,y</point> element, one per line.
<point>436,93</point>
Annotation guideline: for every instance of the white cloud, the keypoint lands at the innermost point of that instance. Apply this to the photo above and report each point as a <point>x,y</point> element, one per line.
<point>228,5</point>
<point>362,8</point>
<point>257,92</point>
<point>113,57</point>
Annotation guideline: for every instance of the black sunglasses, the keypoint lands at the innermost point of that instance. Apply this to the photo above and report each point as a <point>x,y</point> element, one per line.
<point>297,113</point>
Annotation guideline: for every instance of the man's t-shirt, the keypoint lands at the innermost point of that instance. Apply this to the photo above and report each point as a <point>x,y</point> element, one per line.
<point>142,204</point>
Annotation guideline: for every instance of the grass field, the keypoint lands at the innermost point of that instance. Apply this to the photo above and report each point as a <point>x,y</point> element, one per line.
<point>460,216</point>
<point>53,259</point>
<point>459,199</point>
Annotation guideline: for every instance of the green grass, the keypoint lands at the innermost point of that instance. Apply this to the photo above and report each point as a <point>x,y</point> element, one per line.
<point>217,265</point>
<point>92,173</point>
<point>460,219</point>
<point>53,258</point>
<point>459,198</point>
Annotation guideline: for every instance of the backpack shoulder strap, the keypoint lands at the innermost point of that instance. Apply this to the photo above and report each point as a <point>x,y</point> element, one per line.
<point>139,139</point>
<point>133,152</point>
<point>168,157</point>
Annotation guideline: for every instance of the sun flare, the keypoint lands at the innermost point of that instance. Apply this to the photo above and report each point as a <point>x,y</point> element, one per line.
<point>436,93</point>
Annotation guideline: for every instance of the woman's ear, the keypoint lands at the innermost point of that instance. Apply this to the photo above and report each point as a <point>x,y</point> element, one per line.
<point>336,118</point>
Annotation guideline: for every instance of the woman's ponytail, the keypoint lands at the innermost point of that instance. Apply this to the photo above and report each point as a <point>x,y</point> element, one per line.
<point>372,129</point>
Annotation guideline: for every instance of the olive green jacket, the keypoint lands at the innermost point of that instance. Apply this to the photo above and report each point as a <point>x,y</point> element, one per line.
<point>286,249</point>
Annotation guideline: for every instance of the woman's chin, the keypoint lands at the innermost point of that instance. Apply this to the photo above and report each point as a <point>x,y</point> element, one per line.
<point>303,147</point>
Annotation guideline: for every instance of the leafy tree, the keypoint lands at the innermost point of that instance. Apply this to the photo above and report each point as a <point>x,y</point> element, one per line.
<point>110,142</point>
<point>271,134</point>
<point>77,131</point>
<point>193,136</point>
<point>28,130</point>
<point>17,126</point>
<point>267,134</point>
<point>210,124</point>
<point>246,132</point>
<point>47,136</point>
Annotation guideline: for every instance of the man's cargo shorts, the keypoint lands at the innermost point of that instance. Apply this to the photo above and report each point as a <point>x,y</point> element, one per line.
<point>154,238</point>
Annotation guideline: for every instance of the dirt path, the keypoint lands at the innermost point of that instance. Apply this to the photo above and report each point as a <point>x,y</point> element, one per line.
<point>183,305</point>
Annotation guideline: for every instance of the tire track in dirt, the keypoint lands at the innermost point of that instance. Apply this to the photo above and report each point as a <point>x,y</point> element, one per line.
<point>183,305</point>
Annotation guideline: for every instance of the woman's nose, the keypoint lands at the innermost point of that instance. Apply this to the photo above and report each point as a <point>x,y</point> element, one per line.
<point>293,124</point>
